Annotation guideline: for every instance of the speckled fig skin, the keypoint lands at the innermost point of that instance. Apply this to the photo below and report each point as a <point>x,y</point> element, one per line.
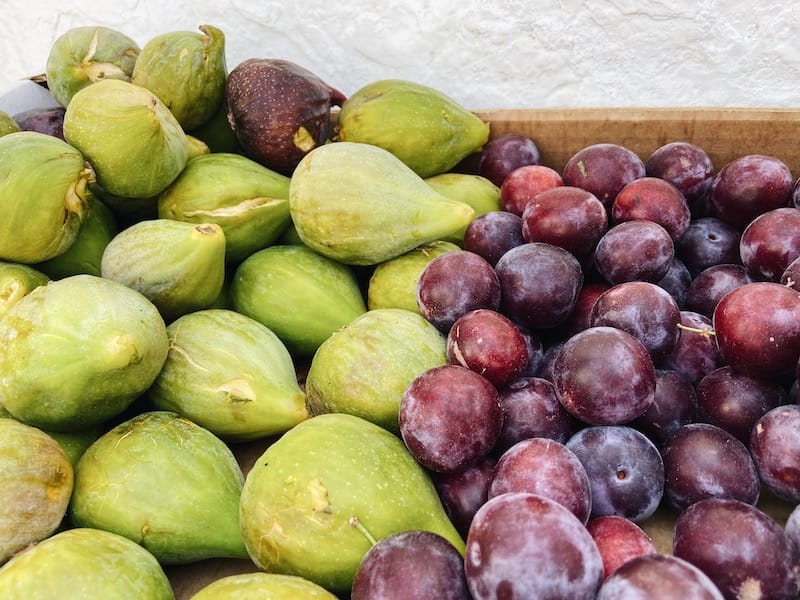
<point>36,479</point>
<point>88,562</point>
<point>278,110</point>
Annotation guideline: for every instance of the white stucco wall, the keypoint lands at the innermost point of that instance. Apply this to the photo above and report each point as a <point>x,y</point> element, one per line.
<point>484,53</point>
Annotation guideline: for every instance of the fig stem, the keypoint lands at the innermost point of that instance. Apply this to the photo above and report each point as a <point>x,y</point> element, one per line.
<point>354,522</point>
<point>706,331</point>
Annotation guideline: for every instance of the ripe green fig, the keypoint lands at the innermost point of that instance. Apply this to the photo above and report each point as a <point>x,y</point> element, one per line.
<point>364,368</point>
<point>393,284</point>
<point>85,563</point>
<point>229,374</point>
<point>480,193</point>
<point>132,140</point>
<point>278,110</point>
<point>78,351</point>
<point>7,124</point>
<point>86,252</point>
<point>319,496</point>
<point>302,296</point>
<point>426,129</point>
<point>249,201</point>
<point>187,71</point>
<point>262,585</point>
<point>166,483</point>
<point>36,479</point>
<point>43,196</point>
<point>361,205</point>
<point>16,282</point>
<point>86,55</point>
<point>178,266</point>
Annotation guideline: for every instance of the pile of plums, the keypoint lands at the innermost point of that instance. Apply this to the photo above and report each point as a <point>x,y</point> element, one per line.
<point>622,337</point>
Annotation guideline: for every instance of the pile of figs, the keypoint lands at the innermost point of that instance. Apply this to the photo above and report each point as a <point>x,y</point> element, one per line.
<point>211,316</point>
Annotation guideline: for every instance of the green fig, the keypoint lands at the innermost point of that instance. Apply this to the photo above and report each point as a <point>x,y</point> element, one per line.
<point>43,196</point>
<point>133,142</point>
<point>364,368</point>
<point>127,210</point>
<point>250,202</point>
<point>426,129</point>
<point>257,586</point>
<point>86,252</point>
<point>16,282</point>
<point>85,55</point>
<point>77,352</point>
<point>319,496</point>
<point>302,296</point>
<point>197,147</point>
<point>82,563</point>
<point>36,479</point>
<point>480,193</point>
<point>359,204</point>
<point>187,71</point>
<point>166,483</point>
<point>179,267</point>
<point>229,374</point>
<point>393,284</point>
<point>217,133</point>
<point>7,124</point>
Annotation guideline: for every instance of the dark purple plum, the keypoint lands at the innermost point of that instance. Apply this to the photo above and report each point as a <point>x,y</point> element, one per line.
<point>658,576</point>
<point>619,540</point>
<point>711,284</point>
<point>791,275</point>
<point>539,284</point>
<point>625,469</point>
<point>547,468</point>
<point>492,234</point>
<point>49,121</point>
<point>775,446</point>
<point>505,153</point>
<point>580,317</point>
<point>463,492</point>
<point>603,169</point>
<point>411,564</point>
<point>792,527</point>
<point>531,409</point>
<point>652,199</point>
<point>521,545</point>
<point>677,282</point>
<point>734,400</point>
<point>705,461</point>
<point>634,251</point>
<point>535,352</point>
<point>645,310</point>
<point>695,353</point>
<point>525,183</point>
<point>454,283</point>
<point>604,376</point>
<point>489,343</point>
<point>568,217</point>
<point>757,328</point>
<point>749,186</point>
<point>739,547</point>
<point>686,166</point>
<point>551,352</point>
<point>708,241</point>
<point>450,417</point>
<point>770,243</point>
<point>674,405</point>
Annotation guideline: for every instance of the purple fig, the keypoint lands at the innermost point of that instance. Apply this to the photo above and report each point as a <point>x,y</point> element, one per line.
<point>278,110</point>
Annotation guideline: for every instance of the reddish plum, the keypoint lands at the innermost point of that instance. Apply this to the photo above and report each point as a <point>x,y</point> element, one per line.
<point>604,376</point>
<point>488,343</point>
<point>619,540</point>
<point>524,184</point>
<point>450,417</point>
<point>547,468</point>
<point>603,169</point>
<point>652,199</point>
<point>705,461</point>
<point>634,251</point>
<point>521,545</point>
<point>686,166</point>
<point>695,353</point>
<point>658,576</point>
<point>770,243</point>
<point>775,446</point>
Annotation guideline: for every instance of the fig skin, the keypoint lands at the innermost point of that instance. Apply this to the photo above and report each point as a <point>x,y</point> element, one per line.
<point>279,111</point>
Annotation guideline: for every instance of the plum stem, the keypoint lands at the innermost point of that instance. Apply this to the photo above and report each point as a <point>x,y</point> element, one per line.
<point>354,522</point>
<point>705,331</point>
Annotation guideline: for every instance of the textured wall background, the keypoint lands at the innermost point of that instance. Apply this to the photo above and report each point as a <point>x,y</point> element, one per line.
<point>484,53</point>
